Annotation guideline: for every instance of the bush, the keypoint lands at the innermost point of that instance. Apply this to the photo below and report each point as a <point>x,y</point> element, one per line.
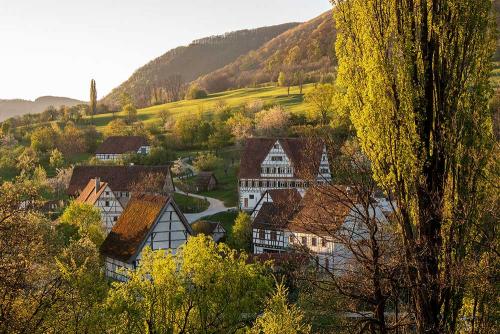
<point>206,162</point>
<point>195,93</point>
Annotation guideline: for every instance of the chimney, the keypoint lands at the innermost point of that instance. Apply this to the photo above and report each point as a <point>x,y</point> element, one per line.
<point>97,184</point>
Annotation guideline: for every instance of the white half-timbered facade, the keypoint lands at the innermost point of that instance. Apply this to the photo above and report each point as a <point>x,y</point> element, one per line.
<point>283,221</point>
<point>149,220</point>
<point>280,163</point>
<point>114,147</point>
<point>100,195</point>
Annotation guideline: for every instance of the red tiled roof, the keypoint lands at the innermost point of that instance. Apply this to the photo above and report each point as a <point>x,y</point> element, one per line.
<point>89,194</point>
<point>119,178</point>
<point>133,226</point>
<point>121,144</point>
<point>304,153</point>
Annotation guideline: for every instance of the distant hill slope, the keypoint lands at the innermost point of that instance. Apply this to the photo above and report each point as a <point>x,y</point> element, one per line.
<point>307,48</point>
<point>200,57</point>
<point>10,108</point>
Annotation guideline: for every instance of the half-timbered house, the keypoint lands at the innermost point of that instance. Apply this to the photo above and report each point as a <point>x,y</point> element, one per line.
<point>98,194</point>
<point>280,163</point>
<point>284,221</point>
<point>114,147</point>
<point>149,220</point>
<point>122,180</point>
<point>208,228</point>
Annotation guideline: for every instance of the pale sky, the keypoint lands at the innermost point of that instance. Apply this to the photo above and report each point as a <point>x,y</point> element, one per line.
<point>54,47</point>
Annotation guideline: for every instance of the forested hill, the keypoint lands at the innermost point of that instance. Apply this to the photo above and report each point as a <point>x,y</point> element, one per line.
<point>306,50</point>
<point>186,63</point>
<point>10,108</point>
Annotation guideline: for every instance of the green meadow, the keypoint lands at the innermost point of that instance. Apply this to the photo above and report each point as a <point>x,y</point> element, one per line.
<point>269,95</point>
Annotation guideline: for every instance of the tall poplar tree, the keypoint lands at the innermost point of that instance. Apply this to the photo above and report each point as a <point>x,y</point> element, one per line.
<point>93,99</point>
<point>416,76</point>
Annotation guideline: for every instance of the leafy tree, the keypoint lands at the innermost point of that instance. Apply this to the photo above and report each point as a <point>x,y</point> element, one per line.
<point>272,122</point>
<point>130,113</point>
<point>220,138</point>
<point>87,219</point>
<point>195,93</point>
<point>241,237</point>
<point>241,126</point>
<point>416,77</point>
<point>186,128</point>
<point>165,115</point>
<point>71,140</point>
<point>204,288</point>
<point>322,100</point>
<point>116,127</point>
<point>93,99</point>
<point>279,317</point>
<point>43,139</point>
<point>56,159</point>
<point>206,162</point>
<point>28,160</point>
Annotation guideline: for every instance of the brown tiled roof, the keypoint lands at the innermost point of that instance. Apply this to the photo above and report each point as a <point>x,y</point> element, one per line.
<point>320,212</point>
<point>276,214</point>
<point>285,195</point>
<point>119,178</point>
<point>133,226</point>
<point>121,144</point>
<point>304,153</point>
<point>203,178</point>
<point>89,194</point>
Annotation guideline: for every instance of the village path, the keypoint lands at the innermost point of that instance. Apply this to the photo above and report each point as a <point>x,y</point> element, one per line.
<point>216,206</point>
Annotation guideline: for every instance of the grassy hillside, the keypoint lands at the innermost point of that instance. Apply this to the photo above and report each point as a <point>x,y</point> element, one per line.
<point>307,48</point>
<point>269,95</point>
<point>200,57</point>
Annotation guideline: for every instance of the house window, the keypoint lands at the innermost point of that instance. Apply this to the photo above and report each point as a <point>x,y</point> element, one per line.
<point>273,235</point>
<point>323,242</point>
<point>262,234</point>
<point>276,158</point>
<point>324,170</point>
<point>290,239</point>
<point>260,184</point>
<point>251,196</point>
<point>304,241</point>
<point>107,193</point>
<point>115,218</point>
<point>327,264</point>
<point>276,146</point>
<point>314,242</point>
<point>106,203</point>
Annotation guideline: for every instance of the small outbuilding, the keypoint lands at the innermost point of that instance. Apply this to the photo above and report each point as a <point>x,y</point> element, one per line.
<point>212,229</point>
<point>206,181</point>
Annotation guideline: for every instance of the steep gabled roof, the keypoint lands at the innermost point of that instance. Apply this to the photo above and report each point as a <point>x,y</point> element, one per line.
<point>119,178</point>
<point>89,194</point>
<point>203,178</point>
<point>133,227</point>
<point>121,144</point>
<point>304,154</point>
<point>276,214</point>
<point>322,210</point>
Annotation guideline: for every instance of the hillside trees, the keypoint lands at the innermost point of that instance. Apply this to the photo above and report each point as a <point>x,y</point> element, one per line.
<point>417,82</point>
